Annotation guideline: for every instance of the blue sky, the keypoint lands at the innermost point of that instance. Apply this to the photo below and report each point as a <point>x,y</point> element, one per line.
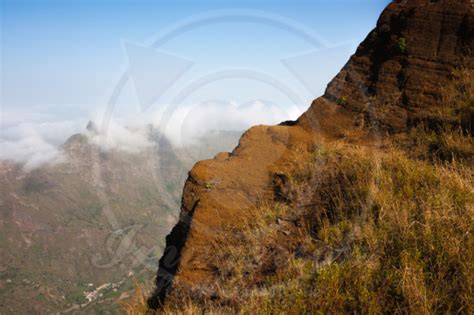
<point>61,61</point>
<point>70,52</point>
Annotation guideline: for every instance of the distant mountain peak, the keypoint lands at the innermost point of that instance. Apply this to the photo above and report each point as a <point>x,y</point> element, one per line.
<point>92,127</point>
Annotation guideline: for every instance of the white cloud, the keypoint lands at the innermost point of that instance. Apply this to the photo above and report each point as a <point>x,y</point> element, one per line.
<point>53,132</point>
<point>34,140</point>
<point>32,151</point>
<point>186,124</point>
<point>121,136</point>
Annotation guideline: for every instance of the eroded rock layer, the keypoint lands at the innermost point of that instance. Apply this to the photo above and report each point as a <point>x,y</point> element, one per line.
<point>396,80</point>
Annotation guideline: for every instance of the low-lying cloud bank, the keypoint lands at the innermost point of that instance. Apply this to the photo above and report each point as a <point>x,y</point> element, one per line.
<point>185,125</point>
<point>35,140</point>
<point>118,135</point>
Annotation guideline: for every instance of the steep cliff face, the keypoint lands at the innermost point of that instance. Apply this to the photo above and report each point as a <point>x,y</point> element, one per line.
<point>397,79</point>
<point>399,73</point>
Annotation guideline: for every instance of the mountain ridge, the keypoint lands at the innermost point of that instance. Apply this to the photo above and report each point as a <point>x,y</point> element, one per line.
<point>396,81</point>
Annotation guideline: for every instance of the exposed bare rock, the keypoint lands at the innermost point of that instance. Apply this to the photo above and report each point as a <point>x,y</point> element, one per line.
<point>396,79</point>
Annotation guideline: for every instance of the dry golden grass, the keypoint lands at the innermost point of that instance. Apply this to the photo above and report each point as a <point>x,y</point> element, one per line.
<point>404,228</point>
<point>137,303</point>
<point>360,230</point>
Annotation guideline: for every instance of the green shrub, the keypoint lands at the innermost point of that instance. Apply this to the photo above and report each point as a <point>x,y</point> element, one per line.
<point>402,45</point>
<point>342,101</point>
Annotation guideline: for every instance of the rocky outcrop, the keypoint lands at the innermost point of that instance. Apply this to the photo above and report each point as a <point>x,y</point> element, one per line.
<point>395,80</point>
<point>398,74</point>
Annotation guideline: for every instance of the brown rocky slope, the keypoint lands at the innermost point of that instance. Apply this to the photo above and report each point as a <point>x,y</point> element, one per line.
<point>398,79</point>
